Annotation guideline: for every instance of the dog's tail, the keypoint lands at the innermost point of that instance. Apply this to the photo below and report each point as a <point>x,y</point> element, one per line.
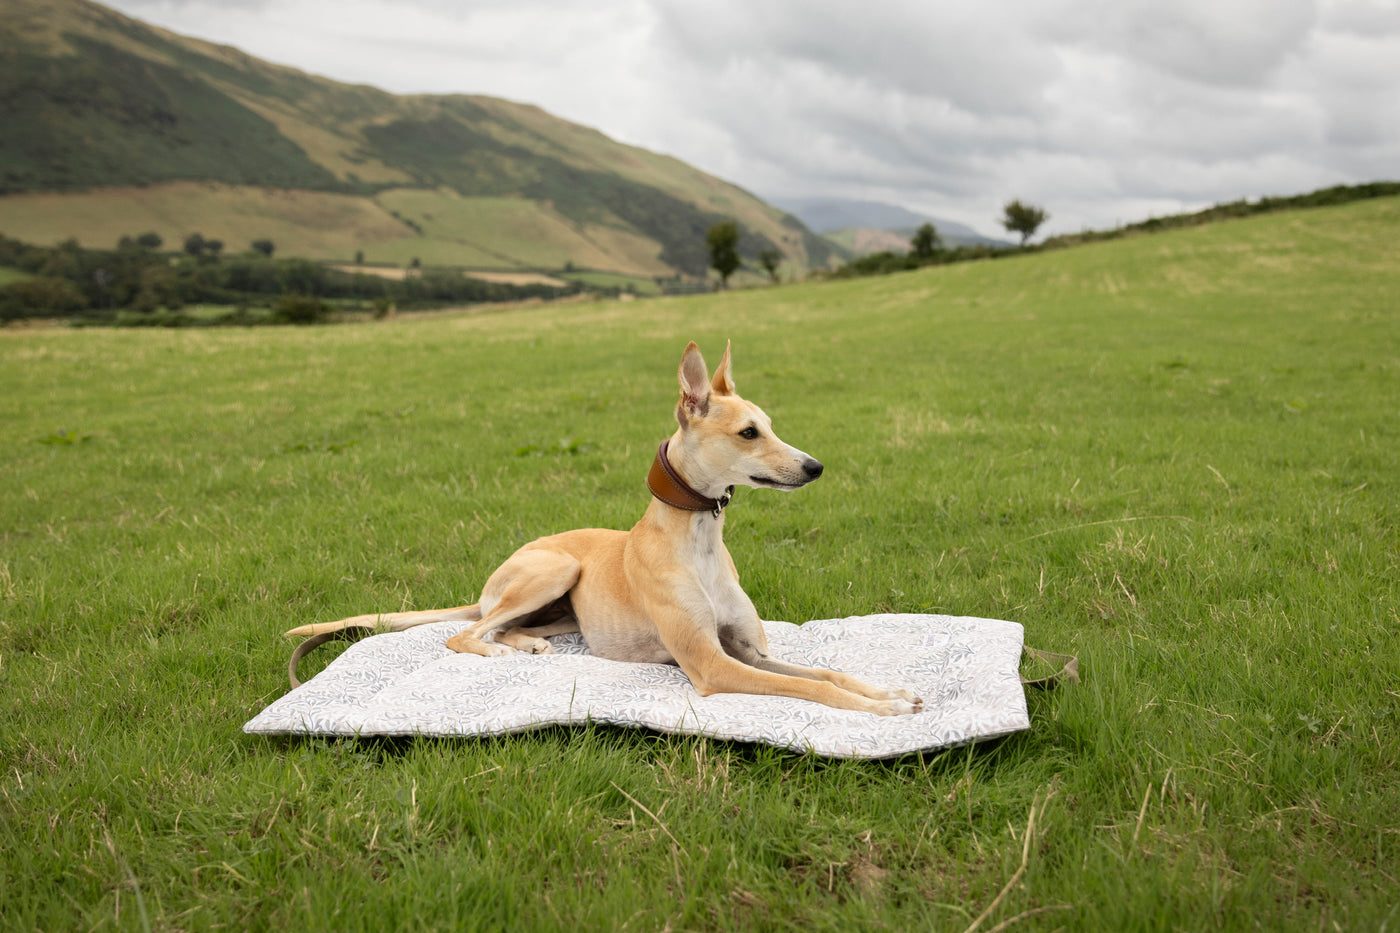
<point>390,621</point>
<point>357,627</point>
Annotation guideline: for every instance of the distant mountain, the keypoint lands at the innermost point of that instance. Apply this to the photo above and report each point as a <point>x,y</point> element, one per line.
<point>853,242</point>
<point>112,127</point>
<point>828,215</point>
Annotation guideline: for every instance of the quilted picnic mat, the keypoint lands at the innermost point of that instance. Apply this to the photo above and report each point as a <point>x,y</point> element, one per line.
<point>409,683</point>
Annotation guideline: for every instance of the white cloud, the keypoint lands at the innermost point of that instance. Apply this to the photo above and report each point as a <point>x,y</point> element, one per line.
<point>1101,110</point>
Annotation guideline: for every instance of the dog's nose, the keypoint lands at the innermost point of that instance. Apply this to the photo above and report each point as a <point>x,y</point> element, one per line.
<point>813,468</point>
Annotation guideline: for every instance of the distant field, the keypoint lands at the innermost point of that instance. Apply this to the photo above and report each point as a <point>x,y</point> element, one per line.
<point>399,273</point>
<point>12,275</point>
<point>642,285</point>
<point>512,233</point>
<point>516,278</point>
<point>394,273</point>
<point>479,233</point>
<point>315,225</point>
<point>1176,456</point>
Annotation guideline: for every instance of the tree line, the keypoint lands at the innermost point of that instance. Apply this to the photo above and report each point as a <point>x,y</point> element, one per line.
<point>139,278</point>
<point>925,247</point>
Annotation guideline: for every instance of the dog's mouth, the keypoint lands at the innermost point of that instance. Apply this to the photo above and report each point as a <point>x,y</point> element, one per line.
<point>771,483</point>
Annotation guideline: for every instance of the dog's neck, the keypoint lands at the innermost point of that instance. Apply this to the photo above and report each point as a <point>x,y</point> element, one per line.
<point>668,486</point>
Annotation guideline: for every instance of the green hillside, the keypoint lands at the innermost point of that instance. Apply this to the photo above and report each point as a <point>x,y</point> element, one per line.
<point>1175,456</point>
<point>105,115</point>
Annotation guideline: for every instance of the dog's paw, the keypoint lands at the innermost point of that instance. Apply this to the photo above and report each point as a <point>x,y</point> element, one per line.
<point>525,644</point>
<point>464,644</point>
<point>899,706</point>
<point>896,694</point>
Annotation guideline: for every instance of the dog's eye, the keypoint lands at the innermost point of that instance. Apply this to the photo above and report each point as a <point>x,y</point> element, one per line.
<point>749,433</point>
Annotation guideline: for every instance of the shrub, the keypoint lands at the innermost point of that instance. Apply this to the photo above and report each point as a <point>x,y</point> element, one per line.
<point>299,309</point>
<point>43,296</point>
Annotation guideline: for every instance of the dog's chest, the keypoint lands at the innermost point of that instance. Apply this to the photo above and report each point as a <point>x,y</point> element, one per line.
<point>713,572</point>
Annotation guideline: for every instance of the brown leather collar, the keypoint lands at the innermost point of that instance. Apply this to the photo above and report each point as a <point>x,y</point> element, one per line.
<point>666,484</point>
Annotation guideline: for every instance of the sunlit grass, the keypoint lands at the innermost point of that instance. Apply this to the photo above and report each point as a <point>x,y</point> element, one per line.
<point>1174,456</point>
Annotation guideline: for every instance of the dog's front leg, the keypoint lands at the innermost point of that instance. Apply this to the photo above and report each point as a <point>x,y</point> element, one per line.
<point>747,643</point>
<point>840,679</point>
<point>697,649</point>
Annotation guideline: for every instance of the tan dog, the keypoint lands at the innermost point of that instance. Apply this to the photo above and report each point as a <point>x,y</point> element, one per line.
<point>666,591</point>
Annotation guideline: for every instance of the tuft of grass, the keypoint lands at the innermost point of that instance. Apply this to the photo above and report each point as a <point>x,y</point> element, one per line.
<point>1173,456</point>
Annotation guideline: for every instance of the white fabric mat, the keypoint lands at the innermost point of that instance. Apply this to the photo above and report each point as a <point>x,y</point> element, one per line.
<point>409,683</point>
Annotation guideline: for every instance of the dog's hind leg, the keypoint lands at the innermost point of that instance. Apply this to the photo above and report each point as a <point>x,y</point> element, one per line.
<point>530,580</point>
<point>531,639</point>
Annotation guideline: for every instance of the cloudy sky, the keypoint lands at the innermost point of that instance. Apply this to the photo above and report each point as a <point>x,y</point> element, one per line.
<point>1102,111</point>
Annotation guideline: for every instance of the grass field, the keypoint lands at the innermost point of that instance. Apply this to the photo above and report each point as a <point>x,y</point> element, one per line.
<point>639,284</point>
<point>1175,456</point>
<point>312,224</point>
<point>479,233</point>
<point>508,233</point>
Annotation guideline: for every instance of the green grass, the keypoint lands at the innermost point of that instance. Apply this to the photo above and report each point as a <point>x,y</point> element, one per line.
<point>317,225</point>
<point>641,285</point>
<point>8,275</point>
<point>1175,456</point>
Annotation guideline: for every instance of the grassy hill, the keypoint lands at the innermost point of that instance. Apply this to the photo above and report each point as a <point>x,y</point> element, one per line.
<point>1176,456</point>
<point>108,121</point>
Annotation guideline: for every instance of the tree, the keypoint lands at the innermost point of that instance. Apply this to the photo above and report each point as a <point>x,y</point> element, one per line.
<point>263,246</point>
<point>151,241</point>
<point>1024,219</point>
<point>214,247</point>
<point>302,277</point>
<point>723,241</point>
<point>194,244</point>
<point>769,258</point>
<point>926,242</point>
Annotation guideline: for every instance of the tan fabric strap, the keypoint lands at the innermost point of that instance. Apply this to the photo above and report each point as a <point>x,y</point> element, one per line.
<point>1068,665</point>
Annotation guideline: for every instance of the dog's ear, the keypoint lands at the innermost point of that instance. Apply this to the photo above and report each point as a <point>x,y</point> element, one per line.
<point>695,386</point>
<point>723,383</point>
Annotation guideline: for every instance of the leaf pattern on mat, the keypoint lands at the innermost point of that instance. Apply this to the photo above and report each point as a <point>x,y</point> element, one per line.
<point>409,683</point>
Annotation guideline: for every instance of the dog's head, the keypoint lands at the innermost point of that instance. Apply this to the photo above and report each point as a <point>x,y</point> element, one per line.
<point>728,441</point>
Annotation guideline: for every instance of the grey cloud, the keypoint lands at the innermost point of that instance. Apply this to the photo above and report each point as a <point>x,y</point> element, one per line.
<point>1240,43</point>
<point>1362,17</point>
<point>941,51</point>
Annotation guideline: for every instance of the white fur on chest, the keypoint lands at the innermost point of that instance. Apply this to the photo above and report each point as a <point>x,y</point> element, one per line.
<point>713,572</point>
